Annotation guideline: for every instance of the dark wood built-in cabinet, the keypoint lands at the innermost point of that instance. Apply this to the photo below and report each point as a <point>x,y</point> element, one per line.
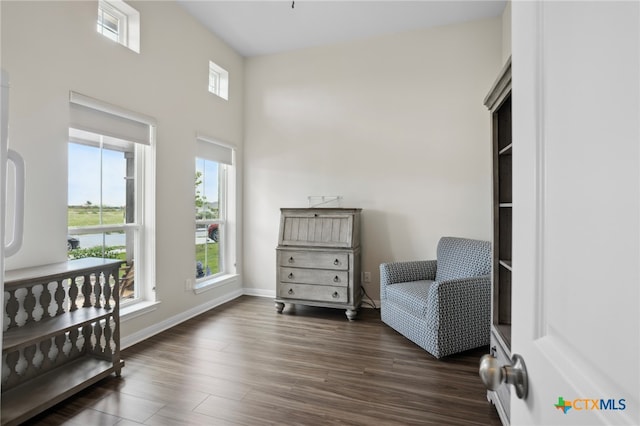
<point>503,202</point>
<point>61,333</point>
<point>498,101</point>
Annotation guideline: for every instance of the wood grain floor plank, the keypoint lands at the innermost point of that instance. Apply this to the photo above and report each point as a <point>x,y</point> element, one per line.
<point>242,364</point>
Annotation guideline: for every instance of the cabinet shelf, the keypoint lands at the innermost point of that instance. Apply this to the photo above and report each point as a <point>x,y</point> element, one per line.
<point>506,264</point>
<point>19,337</point>
<point>506,150</point>
<point>53,387</point>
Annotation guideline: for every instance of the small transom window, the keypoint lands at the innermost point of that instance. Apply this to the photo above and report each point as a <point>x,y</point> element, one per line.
<point>218,80</point>
<point>119,22</point>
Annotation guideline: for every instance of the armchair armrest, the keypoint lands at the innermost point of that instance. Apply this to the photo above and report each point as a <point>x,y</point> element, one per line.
<point>400,272</point>
<point>463,305</point>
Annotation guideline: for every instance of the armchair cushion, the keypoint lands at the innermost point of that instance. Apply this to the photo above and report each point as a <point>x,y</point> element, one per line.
<point>400,272</point>
<point>462,258</point>
<point>411,296</point>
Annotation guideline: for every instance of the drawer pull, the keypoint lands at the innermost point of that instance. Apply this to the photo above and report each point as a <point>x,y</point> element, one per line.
<point>336,279</point>
<point>291,275</point>
<point>291,259</point>
<point>290,291</point>
<point>336,262</point>
<point>335,295</point>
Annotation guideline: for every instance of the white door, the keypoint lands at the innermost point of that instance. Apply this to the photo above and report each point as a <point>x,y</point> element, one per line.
<point>576,220</point>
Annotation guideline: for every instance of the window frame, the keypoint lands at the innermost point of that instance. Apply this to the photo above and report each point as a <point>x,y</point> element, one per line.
<point>98,117</point>
<point>104,7</point>
<point>133,231</point>
<point>128,33</point>
<point>224,154</point>
<point>218,81</point>
<point>221,221</point>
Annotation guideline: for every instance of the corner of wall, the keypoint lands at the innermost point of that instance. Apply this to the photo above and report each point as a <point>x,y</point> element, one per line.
<point>506,32</point>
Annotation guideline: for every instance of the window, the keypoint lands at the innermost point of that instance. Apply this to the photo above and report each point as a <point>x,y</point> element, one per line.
<point>112,23</point>
<point>218,80</point>
<point>110,157</point>
<point>212,243</point>
<point>119,22</point>
<point>209,217</point>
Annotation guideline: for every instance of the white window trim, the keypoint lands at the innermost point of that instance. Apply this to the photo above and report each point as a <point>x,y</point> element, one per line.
<point>145,171</point>
<point>218,281</point>
<point>229,255</point>
<point>221,220</point>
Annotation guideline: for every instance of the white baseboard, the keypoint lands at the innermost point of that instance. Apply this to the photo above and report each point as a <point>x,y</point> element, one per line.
<point>145,333</point>
<point>259,292</point>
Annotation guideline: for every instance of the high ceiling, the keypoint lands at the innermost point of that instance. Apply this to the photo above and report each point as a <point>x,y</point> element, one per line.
<point>266,27</point>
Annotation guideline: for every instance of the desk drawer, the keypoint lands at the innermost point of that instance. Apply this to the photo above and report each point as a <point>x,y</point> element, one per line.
<point>320,293</point>
<point>314,276</point>
<point>313,259</point>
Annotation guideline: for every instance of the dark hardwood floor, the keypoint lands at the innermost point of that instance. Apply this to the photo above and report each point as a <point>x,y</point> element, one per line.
<point>244,364</point>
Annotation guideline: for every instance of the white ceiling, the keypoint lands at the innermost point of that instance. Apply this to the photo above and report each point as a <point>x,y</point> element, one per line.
<point>265,27</point>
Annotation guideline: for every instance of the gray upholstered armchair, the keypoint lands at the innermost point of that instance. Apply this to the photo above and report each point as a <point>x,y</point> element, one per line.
<point>443,305</point>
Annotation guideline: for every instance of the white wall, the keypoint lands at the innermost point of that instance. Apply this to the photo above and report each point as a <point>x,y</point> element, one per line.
<point>506,32</point>
<point>396,125</point>
<point>50,48</point>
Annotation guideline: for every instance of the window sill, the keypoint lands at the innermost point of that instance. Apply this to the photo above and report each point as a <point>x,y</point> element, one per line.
<point>216,282</point>
<point>135,310</point>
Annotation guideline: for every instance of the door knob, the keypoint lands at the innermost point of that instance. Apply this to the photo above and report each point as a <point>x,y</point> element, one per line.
<point>493,375</point>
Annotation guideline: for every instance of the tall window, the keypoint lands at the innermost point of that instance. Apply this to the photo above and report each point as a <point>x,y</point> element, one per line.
<point>211,184</point>
<point>119,22</point>
<point>209,216</point>
<point>106,191</point>
<point>101,208</point>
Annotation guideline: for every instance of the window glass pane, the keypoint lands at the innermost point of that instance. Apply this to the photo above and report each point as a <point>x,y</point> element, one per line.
<point>98,186</point>
<point>209,227</point>
<point>110,245</point>
<point>207,190</point>
<point>108,25</point>
<point>114,187</point>
<point>207,251</point>
<point>84,185</point>
<point>100,193</point>
<point>214,81</point>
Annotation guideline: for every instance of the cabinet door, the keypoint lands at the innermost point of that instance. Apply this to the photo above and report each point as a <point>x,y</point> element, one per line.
<point>310,228</point>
